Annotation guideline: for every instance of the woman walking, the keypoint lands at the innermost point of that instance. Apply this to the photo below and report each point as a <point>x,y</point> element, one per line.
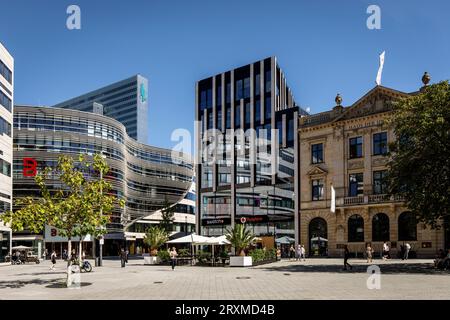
<point>173,257</point>
<point>53,260</point>
<point>369,253</point>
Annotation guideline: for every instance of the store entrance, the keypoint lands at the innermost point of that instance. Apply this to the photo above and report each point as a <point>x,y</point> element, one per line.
<point>318,237</point>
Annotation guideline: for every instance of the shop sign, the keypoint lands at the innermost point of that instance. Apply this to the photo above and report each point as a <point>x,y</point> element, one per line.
<point>215,222</point>
<point>252,219</point>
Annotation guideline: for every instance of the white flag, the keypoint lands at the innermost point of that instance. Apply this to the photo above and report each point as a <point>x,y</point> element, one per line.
<point>333,200</point>
<point>380,69</point>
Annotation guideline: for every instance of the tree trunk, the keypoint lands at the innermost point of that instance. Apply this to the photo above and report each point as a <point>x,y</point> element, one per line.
<point>69,271</point>
<point>80,249</point>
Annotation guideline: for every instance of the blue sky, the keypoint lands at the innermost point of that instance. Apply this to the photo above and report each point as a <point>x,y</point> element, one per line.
<point>324,47</point>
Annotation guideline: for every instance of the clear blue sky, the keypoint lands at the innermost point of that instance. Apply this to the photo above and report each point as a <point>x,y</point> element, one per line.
<point>324,47</point>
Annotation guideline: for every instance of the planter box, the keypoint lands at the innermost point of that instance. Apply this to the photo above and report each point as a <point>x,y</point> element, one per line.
<point>241,261</point>
<point>151,260</point>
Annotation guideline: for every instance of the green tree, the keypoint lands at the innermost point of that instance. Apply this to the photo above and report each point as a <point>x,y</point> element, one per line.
<point>155,237</point>
<point>240,238</point>
<point>81,206</point>
<point>419,167</point>
<point>167,216</point>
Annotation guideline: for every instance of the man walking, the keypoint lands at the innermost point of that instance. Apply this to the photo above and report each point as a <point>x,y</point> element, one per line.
<point>346,256</point>
<point>407,248</point>
<point>123,257</point>
<point>303,252</point>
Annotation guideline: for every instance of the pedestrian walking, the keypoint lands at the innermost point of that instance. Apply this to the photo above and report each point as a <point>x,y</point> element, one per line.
<point>407,248</point>
<point>173,257</point>
<point>369,253</point>
<point>303,253</point>
<point>123,257</point>
<point>299,252</point>
<point>386,250</point>
<point>278,254</point>
<point>53,260</point>
<point>64,254</point>
<point>346,257</point>
<point>291,252</point>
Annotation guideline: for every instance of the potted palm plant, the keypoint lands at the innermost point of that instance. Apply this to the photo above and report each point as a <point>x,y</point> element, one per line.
<point>155,237</point>
<point>240,238</point>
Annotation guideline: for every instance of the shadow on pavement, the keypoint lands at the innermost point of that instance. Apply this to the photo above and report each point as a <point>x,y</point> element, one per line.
<point>393,268</point>
<point>62,285</point>
<point>22,283</point>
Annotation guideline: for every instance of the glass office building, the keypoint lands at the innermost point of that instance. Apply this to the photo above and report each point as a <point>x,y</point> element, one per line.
<point>6,118</point>
<point>144,176</point>
<point>246,155</point>
<point>126,101</point>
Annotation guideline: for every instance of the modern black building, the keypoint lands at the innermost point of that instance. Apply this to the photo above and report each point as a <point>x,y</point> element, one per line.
<point>247,147</point>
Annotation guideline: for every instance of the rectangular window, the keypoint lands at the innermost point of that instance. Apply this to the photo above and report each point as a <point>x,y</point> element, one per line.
<point>5,101</point>
<point>219,118</point>
<point>5,127</point>
<point>219,96</point>
<point>238,90</point>
<point>356,184</point>
<point>379,182</point>
<point>237,116</point>
<point>5,72</point>
<point>247,115</point>
<point>380,143</point>
<point>228,93</point>
<point>356,150</point>
<point>5,168</point>
<point>268,108</point>
<point>290,133</point>
<point>257,111</point>
<point>317,153</point>
<point>247,88</point>
<point>257,84</point>
<point>268,79</point>
<point>317,190</point>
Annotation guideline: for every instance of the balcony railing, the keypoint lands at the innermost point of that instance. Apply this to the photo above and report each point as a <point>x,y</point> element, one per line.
<point>368,199</point>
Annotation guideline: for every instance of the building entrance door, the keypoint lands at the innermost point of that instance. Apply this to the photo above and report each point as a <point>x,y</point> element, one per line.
<point>318,237</point>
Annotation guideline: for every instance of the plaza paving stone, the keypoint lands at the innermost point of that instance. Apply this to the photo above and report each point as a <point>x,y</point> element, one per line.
<point>285,280</point>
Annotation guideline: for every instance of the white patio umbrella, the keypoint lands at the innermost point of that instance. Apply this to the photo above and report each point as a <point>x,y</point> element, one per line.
<point>21,248</point>
<point>319,239</point>
<point>192,238</point>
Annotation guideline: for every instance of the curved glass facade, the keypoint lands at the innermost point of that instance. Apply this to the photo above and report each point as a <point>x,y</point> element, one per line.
<point>142,175</point>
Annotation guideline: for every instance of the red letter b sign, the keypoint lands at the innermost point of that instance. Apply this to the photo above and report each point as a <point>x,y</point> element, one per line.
<point>29,167</point>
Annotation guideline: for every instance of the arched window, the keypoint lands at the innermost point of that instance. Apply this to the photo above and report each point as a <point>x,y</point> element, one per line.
<point>355,228</point>
<point>407,227</point>
<point>380,227</point>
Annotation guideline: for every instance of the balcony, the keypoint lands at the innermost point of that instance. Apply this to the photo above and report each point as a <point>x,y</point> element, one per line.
<point>368,199</point>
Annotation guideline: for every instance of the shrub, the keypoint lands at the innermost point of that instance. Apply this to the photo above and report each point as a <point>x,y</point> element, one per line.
<point>203,256</point>
<point>263,255</point>
<point>184,253</point>
<point>163,255</point>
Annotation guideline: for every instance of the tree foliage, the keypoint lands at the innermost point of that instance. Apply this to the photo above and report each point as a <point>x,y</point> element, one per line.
<point>155,237</point>
<point>420,157</point>
<point>240,237</point>
<point>81,206</point>
<point>167,216</point>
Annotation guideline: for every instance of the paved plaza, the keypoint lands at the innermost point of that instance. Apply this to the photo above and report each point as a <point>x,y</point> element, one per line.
<point>285,280</point>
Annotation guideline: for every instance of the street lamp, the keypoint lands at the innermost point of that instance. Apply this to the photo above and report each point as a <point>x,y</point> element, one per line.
<point>101,240</point>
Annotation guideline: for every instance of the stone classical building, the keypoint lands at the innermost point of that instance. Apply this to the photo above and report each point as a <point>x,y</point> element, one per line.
<point>345,149</point>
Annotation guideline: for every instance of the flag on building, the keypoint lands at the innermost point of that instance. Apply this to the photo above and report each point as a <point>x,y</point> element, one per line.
<point>380,68</point>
